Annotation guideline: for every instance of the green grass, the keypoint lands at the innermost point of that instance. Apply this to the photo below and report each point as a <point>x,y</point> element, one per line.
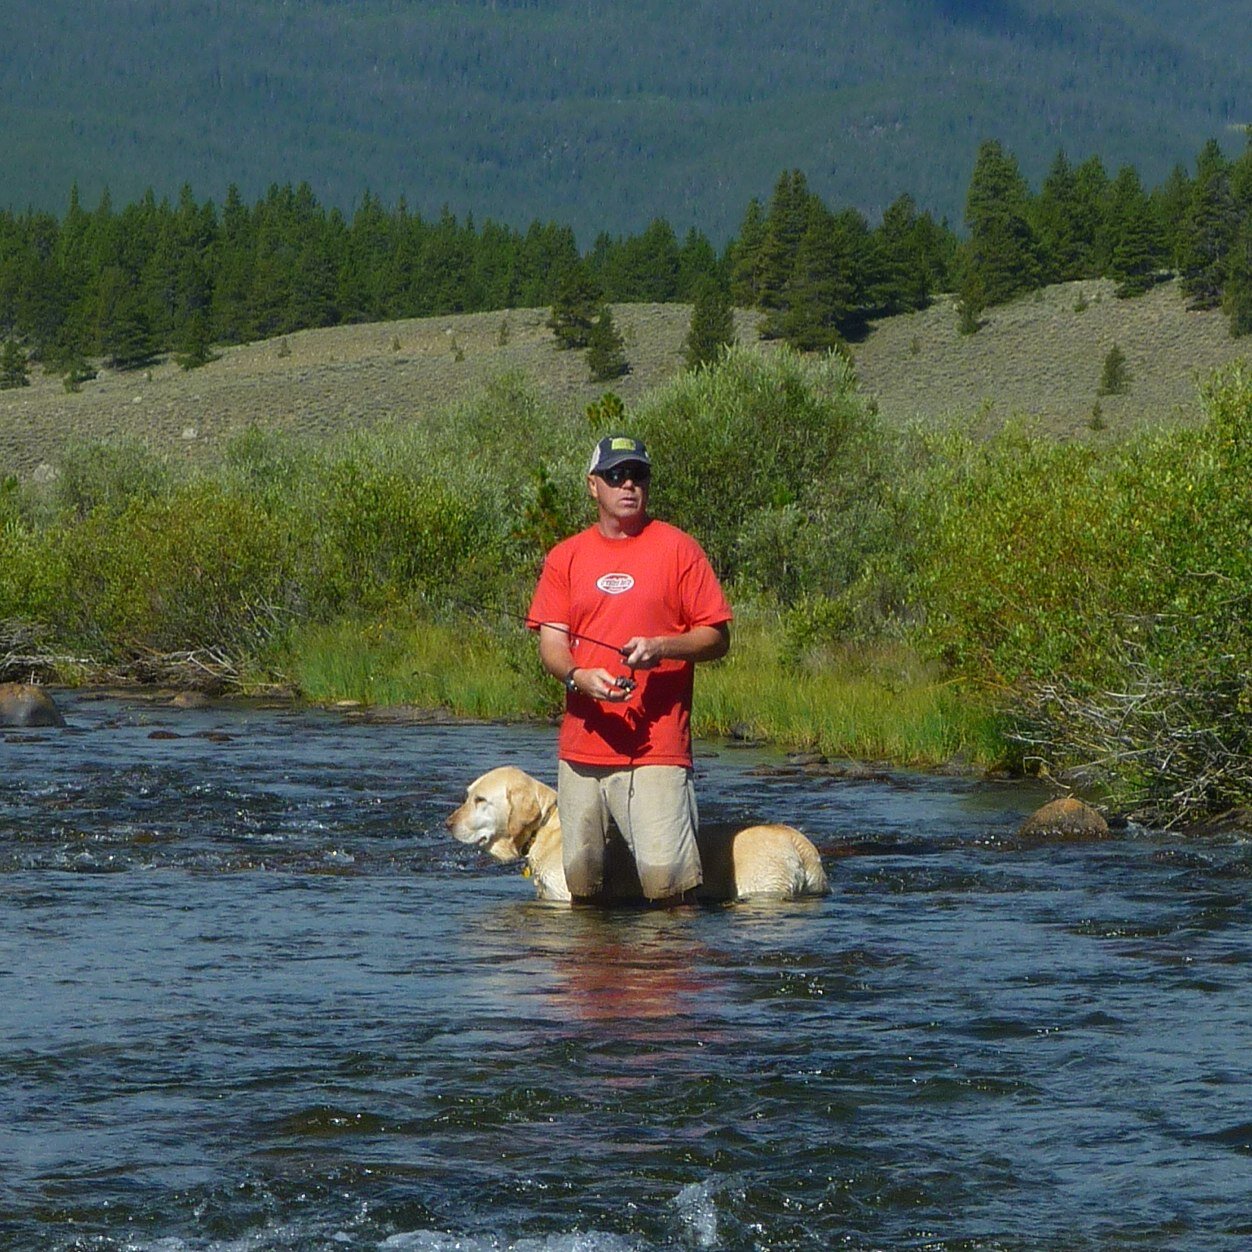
<point>883,705</point>
<point>467,672</point>
<point>864,704</point>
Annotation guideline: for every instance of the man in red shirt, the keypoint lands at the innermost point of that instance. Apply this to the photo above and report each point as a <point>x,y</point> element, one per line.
<point>624,610</point>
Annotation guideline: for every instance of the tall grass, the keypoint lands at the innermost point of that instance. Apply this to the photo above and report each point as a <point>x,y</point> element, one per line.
<point>468,672</point>
<point>867,703</point>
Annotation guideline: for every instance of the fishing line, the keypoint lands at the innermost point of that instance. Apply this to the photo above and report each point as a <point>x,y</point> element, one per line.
<point>627,684</point>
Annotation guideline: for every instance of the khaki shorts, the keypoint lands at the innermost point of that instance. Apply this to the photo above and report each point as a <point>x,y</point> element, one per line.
<point>654,809</point>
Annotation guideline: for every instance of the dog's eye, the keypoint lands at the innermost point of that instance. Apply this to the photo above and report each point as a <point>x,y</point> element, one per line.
<point>480,799</point>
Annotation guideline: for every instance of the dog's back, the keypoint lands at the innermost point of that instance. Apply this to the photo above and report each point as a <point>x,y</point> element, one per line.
<point>769,860</point>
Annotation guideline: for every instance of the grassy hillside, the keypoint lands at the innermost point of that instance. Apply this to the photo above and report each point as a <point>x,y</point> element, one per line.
<point>602,116</point>
<point>1040,357</point>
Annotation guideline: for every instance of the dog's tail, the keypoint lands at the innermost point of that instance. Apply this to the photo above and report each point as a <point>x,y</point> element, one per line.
<point>811,877</point>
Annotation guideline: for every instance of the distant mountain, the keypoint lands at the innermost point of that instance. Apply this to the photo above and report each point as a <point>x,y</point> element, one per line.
<point>603,115</point>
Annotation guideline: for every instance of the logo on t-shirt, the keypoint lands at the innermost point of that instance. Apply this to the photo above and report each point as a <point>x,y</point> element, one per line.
<point>615,584</point>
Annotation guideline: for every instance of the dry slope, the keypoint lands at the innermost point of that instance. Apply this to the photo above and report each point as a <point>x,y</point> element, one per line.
<point>1041,356</point>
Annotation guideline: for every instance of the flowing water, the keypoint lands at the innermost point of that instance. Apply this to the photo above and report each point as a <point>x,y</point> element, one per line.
<point>252,996</point>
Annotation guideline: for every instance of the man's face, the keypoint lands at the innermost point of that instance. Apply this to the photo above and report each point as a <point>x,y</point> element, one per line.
<point>621,492</point>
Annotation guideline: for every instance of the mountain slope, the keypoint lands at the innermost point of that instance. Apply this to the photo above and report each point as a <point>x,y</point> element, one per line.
<point>602,116</point>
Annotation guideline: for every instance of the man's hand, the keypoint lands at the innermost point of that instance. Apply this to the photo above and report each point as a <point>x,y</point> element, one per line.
<point>701,643</point>
<point>599,684</point>
<point>642,652</point>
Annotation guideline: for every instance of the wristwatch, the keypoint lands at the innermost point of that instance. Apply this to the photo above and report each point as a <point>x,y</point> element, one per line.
<point>568,680</point>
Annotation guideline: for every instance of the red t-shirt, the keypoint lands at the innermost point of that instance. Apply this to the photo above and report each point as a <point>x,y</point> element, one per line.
<point>658,582</point>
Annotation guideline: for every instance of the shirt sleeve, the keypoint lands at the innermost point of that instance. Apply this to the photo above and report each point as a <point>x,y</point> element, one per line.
<point>703,601</point>
<point>550,603</point>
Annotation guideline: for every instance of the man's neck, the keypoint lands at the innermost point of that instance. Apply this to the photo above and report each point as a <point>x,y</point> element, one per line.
<point>613,528</point>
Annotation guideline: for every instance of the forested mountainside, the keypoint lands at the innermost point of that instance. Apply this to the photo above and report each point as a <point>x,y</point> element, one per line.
<point>602,116</point>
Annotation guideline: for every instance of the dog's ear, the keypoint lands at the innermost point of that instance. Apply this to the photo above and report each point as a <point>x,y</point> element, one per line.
<point>524,808</point>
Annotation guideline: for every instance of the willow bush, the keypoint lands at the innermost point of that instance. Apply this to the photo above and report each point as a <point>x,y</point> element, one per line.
<point>775,462</point>
<point>1110,593</point>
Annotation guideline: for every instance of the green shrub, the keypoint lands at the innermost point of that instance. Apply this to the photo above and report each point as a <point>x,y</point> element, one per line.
<point>753,436</point>
<point>108,477</point>
<point>1020,563</point>
<point>200,567</point>
<point>384,536</point>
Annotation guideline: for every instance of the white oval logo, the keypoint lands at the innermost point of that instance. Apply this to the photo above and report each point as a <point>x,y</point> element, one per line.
<point>615,584</point>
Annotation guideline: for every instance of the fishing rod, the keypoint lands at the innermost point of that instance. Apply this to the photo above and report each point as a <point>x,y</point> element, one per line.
<point>626,684</point>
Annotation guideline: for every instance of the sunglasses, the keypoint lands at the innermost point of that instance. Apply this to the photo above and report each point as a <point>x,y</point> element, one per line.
<point>616,475</point>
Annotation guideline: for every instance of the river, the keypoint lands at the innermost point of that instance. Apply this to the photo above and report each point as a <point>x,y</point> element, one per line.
<point>253,997</point>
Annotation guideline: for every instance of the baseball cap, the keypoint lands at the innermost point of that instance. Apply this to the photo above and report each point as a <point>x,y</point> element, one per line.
<point>615,450</point>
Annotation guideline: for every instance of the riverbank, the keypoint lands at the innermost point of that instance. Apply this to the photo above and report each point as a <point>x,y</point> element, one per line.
<point>884,706</point>
<point>881,705</point>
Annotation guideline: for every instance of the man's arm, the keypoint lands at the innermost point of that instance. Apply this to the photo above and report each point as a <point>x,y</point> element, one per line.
<point>554,650</point>
<point>558,660</point>
<point>701,643</point>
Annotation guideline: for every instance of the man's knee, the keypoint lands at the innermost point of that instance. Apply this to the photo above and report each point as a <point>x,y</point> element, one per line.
<point>584,870</point>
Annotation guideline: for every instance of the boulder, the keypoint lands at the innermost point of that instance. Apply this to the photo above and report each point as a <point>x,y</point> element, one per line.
<point>1065,818</point>
<point>24,704</point>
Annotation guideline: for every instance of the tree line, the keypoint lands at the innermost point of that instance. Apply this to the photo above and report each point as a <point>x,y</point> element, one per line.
<point>127,285</point>
<point>1085,224</point>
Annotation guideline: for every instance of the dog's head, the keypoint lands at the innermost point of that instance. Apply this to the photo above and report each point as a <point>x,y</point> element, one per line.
<point>502,811</point>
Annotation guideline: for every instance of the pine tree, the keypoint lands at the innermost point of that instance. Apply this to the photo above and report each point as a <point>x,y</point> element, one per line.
<point>712,324</point>
<point>1237,300</point>
<point>14,371</point>
<point>234,257</point>
<point>1058,223</point>
<point>1091,186</point>
<point>904,275</point>
<point>971,300</point>
<point>1136,245</point>
<point>697,261</point>
<point>819,296</point>
<point>1208,230</point>
<point>645,267</point>
<point>784,228</point>
<point>125,328</point>
<point>1115,376</point>
<point>743,257</point>
<point>547,253</point>
<point>195,349</point>
<point>1169,204</point>
<point>606,349</point>
<point>1002,250</point>
<point>575,307</point>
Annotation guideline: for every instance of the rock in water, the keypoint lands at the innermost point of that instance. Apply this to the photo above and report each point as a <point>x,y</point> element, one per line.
<point>24,704</point>
<point>1065,818</point>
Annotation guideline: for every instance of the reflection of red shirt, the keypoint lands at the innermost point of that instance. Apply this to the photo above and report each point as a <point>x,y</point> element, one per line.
<point>658,582</point>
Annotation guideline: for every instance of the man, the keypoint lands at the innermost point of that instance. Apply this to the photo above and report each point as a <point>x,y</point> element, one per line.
<point>624,610</point>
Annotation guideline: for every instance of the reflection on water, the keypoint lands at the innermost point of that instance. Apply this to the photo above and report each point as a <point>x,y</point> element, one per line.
<point>253,997</point>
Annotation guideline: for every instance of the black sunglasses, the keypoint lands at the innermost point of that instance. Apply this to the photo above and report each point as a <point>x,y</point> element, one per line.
<point>636,471</point>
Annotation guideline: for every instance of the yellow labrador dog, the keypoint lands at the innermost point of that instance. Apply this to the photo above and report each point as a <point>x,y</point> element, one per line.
<point>512,815</point>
